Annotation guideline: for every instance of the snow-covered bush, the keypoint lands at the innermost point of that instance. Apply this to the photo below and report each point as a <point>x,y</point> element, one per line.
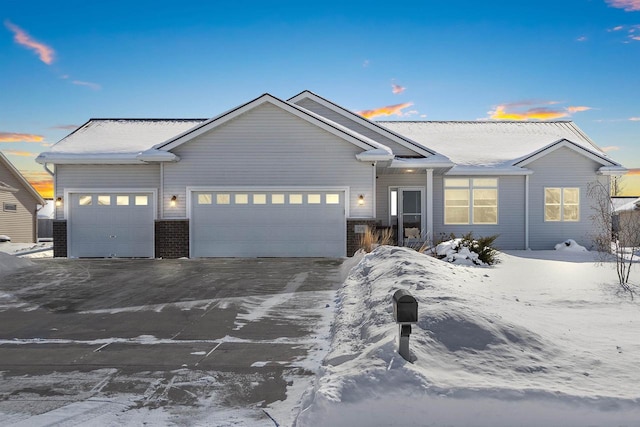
<point>570,245</point>
<point>468,250</point>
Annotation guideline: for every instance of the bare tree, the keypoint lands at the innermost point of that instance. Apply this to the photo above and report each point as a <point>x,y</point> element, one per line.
<point>615,233</point>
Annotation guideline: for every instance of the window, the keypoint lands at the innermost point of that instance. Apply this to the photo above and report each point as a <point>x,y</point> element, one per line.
<point>104,200</point>
<point>259,199</point>
<point>9,207</point>
<point>142,200</point>
<point>471,201</point>
<point>561,204</point>
<point>223,199</point>
<point>241,199</point>
<point>277,199</point>
<point>204,199</point>
<point>84,200</point>
<point>394,202</point>
<point>122,200</point>
<point>333,199</point>
<point>313,199</point>
<point>295,199</point>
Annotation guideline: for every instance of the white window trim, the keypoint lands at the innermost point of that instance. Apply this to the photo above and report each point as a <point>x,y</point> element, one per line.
<point>471,187</point>
<point>544,203</point>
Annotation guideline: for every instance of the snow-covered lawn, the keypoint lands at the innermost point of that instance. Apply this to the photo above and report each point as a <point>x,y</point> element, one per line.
<point>529,342</point>
<point>28,250</point>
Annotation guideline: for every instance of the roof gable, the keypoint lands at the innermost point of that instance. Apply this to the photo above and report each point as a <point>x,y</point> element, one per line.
<point>332,127</point>
<point>373,126</point>
<point>20,178</point>
<point>564,143</point>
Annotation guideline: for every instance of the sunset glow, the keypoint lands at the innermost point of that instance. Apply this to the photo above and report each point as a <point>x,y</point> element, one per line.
<point>389,110</point>
<point>41,181</point>
<point>43,51</point>
<point>538,113</point>
<point>20,137</point>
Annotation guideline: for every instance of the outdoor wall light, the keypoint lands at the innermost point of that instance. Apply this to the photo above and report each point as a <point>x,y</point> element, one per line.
<point>361,200</point>
<point>173,201</point>
<point>59,201</point>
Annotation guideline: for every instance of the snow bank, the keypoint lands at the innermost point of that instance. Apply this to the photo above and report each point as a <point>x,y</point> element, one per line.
<point>477,345</point>
<point>570,245</point>
<point>10,263</point>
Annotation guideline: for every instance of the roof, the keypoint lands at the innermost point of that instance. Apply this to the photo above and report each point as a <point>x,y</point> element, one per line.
<point>624,203</point>
<point>485,143</point>
<point>121,136</point>
<point>21,179</point>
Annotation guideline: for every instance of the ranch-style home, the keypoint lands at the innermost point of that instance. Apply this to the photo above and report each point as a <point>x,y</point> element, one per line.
<point>304,177</point>
<point>19,203</point>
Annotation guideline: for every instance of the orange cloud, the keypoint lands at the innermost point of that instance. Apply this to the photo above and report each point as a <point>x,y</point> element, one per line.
<point>20,153</point>
<point>578,109</point>
<point>396,89</point>
<point>385,111</point>
<point>633,172</point>
<point>94,86</point>
<point>45,52</point>
<point>540,113</point>
<point>20,137</point>
<point>627,5</point>
<point>537,111</point>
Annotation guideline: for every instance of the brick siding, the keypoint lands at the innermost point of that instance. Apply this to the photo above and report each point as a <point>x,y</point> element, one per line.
<point>59,238</point>
<point>172,238</point>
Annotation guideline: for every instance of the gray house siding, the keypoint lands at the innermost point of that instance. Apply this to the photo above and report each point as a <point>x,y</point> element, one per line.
<point>20,224</point>
<point>511,218</point>
<point>268,147</point>
<point>397,149</point>
<point>103,177</point>
<point>561,168</point>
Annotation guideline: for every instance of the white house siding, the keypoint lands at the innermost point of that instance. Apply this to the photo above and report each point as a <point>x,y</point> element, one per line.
<point>267,147</point>
<point>511,217</point>
<point>397,149</point>
<point>561,168</point>
<point>395,180</point>
<point>19,225</point>
<point>104,177</point>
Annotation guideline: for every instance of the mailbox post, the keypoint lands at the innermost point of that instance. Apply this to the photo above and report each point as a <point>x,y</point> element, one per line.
<point>405,312</point>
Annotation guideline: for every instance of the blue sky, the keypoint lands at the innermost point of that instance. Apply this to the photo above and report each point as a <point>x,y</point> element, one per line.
<point>466,60</point>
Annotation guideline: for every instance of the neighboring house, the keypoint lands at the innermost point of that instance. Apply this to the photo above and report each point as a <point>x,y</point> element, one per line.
<point>626,219</point>
<point>18,204</point>
<point>45,220</point>
<point>303,177</point>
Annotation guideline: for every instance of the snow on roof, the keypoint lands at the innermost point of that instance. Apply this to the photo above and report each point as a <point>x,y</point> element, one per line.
<point>484,143</point>
<point>121,135</point>
<point>622,204</point>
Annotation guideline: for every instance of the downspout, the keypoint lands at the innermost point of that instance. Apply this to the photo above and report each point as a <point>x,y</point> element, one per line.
<point>374,190</point>
<point>429,210</point>
<point>526,212</point>
<point>161,196</point>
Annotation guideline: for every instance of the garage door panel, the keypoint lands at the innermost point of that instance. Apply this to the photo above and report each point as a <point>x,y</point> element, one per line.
<point>110,229</point>
<point>269,228</point>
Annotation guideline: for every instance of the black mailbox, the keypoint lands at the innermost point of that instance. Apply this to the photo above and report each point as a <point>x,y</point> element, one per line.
<point>405,307</point>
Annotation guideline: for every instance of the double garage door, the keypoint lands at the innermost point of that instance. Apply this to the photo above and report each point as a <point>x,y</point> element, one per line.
<point>111,225</point>
<point>268,224</point>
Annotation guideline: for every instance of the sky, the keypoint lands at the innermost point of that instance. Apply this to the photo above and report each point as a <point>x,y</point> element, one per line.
<point>65,62</point>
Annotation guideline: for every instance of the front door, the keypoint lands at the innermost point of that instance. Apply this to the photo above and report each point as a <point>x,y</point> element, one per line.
<point>411,221</point>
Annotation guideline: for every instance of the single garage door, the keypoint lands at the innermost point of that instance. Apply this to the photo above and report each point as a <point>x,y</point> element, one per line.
<point>111,225</point>
<point>268,224</point>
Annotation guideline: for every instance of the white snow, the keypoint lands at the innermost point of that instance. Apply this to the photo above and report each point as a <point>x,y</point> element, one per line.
<point>10,263</point>
<point>570,245</point>
<point>28,250</point>
<point>528,342</point>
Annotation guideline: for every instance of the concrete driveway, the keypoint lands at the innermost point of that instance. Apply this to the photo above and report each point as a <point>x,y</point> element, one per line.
<point>185,341</point>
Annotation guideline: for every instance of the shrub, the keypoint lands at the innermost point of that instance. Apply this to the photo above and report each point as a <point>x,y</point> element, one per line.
<point>371,238</point>
<point>467,250</point>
